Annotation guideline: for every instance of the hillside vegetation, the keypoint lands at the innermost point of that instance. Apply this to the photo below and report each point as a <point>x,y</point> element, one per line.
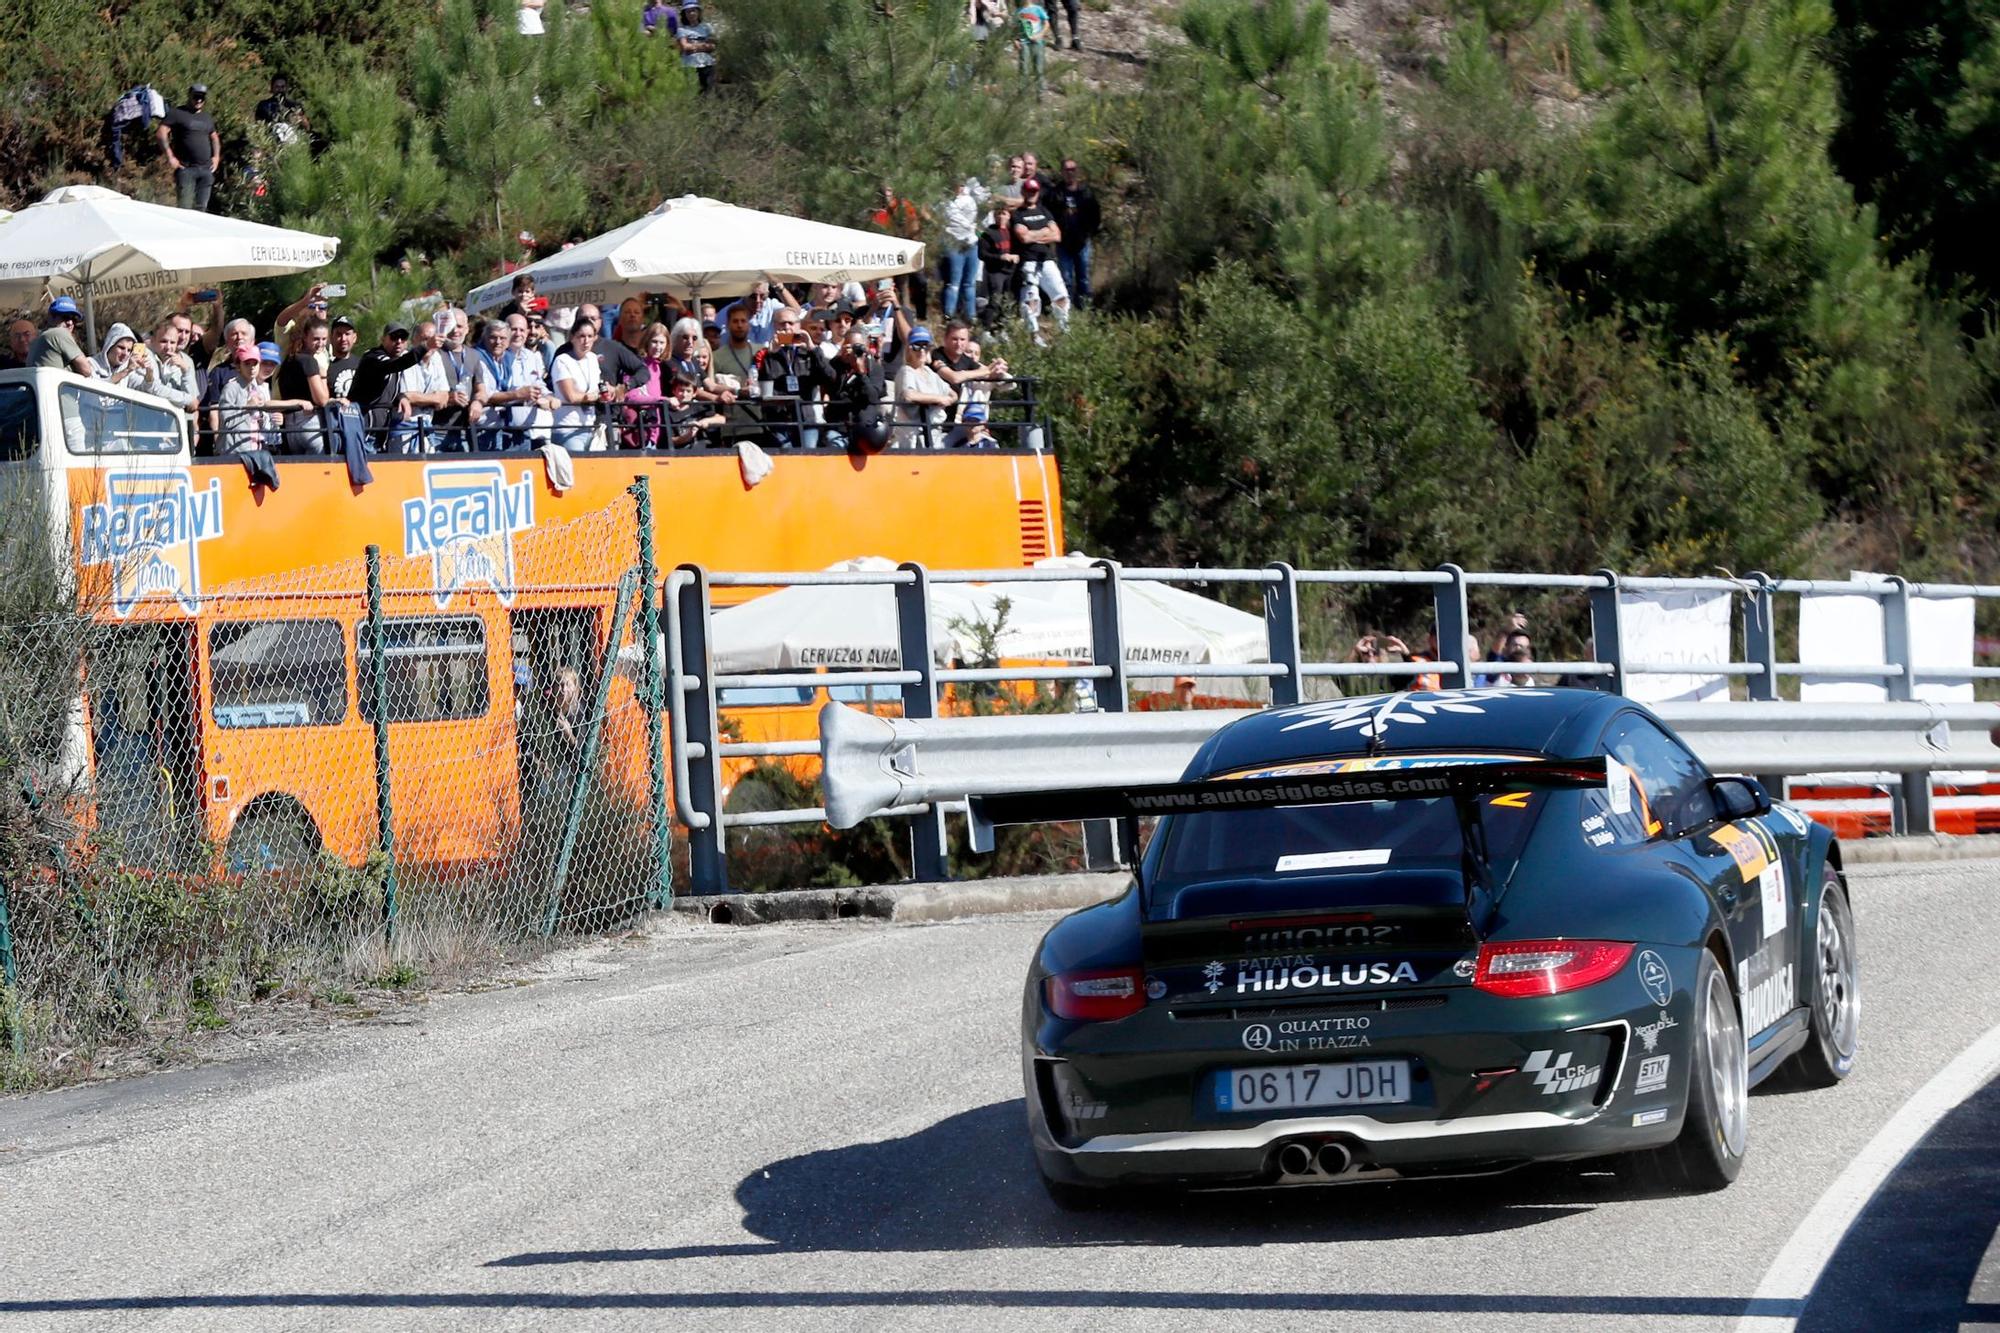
<point>1666,285</point>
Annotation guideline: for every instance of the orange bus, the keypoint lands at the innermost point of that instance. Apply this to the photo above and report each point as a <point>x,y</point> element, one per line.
<point>224,692</point>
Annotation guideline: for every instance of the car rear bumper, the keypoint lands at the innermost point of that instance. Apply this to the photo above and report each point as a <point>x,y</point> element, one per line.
<point>1373,1149</point>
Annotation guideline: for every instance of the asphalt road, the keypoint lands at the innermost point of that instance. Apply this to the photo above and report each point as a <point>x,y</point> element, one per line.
<point>821,1127</point>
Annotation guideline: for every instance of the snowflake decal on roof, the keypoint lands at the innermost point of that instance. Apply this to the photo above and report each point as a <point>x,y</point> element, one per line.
<point>1372,717</point>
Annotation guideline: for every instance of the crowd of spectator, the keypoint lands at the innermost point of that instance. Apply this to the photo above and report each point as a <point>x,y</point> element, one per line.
<point>834,366</point>
<point>1498,665</point>
<point>844,366</point>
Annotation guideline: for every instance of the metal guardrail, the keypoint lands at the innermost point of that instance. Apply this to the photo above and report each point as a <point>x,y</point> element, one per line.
<point>873,762</point>
<point>1766,735</point>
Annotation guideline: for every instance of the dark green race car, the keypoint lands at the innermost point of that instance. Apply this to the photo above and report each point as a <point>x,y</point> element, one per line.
<point>1434,933</point>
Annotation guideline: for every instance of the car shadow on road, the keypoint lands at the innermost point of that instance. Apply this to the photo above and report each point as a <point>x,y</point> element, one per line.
<point>968,1183</point>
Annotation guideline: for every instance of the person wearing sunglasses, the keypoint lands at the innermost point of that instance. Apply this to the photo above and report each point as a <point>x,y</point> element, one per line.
<point>377,385</point>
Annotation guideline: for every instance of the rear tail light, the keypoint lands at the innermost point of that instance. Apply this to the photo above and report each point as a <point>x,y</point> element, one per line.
<point>1096,996</point>
<point>1547,967</point>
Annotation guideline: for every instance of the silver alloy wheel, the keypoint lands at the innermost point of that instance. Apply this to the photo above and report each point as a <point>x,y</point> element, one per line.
<point>1728,1066</point>
<point>1839,1000</point>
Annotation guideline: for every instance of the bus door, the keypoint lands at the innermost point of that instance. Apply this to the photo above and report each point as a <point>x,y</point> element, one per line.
<point>556,651</point>
<point>452,765</point>
<point>145,742</point>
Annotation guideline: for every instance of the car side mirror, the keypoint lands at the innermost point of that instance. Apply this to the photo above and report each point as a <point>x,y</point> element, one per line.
<point>1739,797</point>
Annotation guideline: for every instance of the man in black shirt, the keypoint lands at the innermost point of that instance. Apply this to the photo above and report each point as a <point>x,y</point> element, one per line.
<point>1038,235</point>
<point>193,149</point>
<point>793,376</point>
<point>378,380</point>
<point>623,368</point>
<point>340,373</point>
<point>285,116</point>
<point>1074,206</point>
<point>854,403</point>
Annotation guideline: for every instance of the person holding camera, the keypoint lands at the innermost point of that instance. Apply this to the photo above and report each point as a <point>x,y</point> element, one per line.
<point>855,415</point>
<point>793,378</point>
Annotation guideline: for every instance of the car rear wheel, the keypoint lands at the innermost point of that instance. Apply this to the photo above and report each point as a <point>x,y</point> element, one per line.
<point>1715,1136</point>
<point>1828,1055</point>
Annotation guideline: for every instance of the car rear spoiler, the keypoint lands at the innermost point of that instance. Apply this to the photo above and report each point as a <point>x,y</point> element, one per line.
<point>1223,795</point>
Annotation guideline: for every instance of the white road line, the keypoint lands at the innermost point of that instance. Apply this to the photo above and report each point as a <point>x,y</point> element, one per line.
<point>1792,1275</point>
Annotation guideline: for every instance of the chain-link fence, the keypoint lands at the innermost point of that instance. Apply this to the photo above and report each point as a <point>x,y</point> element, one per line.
<point>393,769</point>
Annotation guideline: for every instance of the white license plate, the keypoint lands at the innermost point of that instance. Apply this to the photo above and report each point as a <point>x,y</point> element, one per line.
<point>1288,1087</point>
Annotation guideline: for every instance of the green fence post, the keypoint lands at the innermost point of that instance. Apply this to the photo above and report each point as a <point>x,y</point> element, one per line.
<point>9,978</point>
<point>586,764</point>
<point>649,626</point>
<point>385,810</point>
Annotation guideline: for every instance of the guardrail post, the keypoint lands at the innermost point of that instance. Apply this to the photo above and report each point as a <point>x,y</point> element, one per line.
<point>378,674</point>
<point>1107,648</point>
<point>1760,648</point>
<point>649,629</point>
<point>9,980</point>
<point>928,861</point>
<point>1281,632</point>
<point>708,862</point>
<point>1452,627</point>
<point>1760,639</point>
<point>1607,637</point>
<point>1911,811</point>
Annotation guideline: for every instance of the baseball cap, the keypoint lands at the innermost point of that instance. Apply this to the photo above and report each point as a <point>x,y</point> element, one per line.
<point>974,412</point>
<point>341,322</point>
<point>269,352</point>
<point>62,305</point>
<point>1030,186</point>
<point>397,327</point>
<point>198,89</point>
<point>920,336</point>
<point>244,354</point>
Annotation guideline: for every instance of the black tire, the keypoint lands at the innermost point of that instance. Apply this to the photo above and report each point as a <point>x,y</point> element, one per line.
<point>1715,1136</point>
<point>272,840</point>
<point>1834,994</point>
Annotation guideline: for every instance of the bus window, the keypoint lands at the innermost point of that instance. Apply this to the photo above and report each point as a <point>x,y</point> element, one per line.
<point>97,423</point>
<point>20,432</point>
<point>437,668</point>
<point>277,673</point>
<point>763,696</point>
<point>865,694</point>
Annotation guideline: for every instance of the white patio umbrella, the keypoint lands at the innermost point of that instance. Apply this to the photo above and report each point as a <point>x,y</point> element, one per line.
<point>1162,623</point>
<point>88,241</point>
<point>854,626</point>
<point>691,245</point>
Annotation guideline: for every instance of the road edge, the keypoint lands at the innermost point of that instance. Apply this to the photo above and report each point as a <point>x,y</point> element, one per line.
<point>1036,893</point>
<point>908,902</point>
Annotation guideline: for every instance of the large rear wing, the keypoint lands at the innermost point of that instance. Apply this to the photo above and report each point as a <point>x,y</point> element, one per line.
<point>1224,795</point>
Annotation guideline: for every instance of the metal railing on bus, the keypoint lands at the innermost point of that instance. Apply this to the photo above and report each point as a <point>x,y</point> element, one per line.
<point>1013,422</point>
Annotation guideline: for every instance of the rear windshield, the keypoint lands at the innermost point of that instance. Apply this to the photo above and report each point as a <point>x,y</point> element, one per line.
<point>1325,856</point>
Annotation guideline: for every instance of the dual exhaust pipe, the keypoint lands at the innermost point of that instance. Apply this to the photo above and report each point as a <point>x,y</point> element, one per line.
<point>1298,1160</point>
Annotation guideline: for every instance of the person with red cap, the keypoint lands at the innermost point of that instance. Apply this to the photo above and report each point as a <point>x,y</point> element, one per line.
<point>1036,233</point>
